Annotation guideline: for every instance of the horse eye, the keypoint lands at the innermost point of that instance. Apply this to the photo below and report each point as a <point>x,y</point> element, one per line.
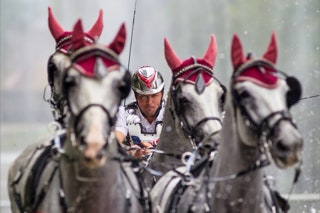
<point>222,100</point>
<point>183,100</point>
<point>244,95</point>
<point>70,81</point>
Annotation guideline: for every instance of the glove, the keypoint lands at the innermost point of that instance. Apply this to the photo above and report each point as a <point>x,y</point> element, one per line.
<point>155,142</point>
<point>133,119</point>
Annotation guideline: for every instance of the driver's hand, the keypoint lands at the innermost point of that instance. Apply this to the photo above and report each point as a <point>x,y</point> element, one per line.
<point>147,146</point>
<point>138,152</point>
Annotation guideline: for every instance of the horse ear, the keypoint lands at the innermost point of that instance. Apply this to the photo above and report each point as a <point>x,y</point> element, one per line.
<point>211,53</point>
<point>119,41</point>
<point>54,27</point>
<point>96,29</point>
<point>78,40</point>
<point>237,56</point>
<point>272,51</point>
<point>172,59</point>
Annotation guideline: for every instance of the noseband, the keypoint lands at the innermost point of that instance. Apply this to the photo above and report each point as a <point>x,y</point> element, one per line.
<point>111,119</point>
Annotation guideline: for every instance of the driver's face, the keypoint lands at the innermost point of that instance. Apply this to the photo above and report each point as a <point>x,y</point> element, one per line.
<point>149,103</point>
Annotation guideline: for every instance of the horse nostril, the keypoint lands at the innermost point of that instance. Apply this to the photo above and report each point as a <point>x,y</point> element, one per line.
<point>99,155</point>
<point>82,141</point>
<point>281,147</point>
<point>87,159</point>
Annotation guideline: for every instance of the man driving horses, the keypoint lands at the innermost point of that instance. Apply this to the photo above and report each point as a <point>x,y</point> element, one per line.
<point>139,123</point>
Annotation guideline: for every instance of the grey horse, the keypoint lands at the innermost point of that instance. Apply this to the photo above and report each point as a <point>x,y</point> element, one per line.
<point>193,112</point>
<point>257,127</point>
<point>86,170</point>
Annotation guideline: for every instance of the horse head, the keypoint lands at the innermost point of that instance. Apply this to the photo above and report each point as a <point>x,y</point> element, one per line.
<point>94,86</point>
<point>263,96</point>
<point>198,96</point>
<point>60,60</point>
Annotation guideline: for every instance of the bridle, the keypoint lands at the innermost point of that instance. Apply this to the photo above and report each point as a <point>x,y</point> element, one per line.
<point>83,53</point>
<point>264,128</point>
<point>175,91</point>
<point>57,104</point>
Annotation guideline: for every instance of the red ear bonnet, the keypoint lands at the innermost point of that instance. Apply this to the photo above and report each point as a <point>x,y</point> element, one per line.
<point>263,75</point>
<point>119,41</point>
<point>78,39</point>
<point>96,29</point>
<point>190,64</point>
<point>172,59</point>
<point>211,53</point>
<point>63,37</point>
<point>237,56</point>
<point>272,52</point>
<point>54,27</point>
<point>92,65</point>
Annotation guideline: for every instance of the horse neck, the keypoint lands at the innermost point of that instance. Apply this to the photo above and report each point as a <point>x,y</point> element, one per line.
<point>244,193</point>
<point>172,136</point>
<point>93,188</point>
<point>172,140</point>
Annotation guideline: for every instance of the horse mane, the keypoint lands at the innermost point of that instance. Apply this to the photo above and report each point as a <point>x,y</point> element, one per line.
<point>162,162</point>
<point>170,130</point>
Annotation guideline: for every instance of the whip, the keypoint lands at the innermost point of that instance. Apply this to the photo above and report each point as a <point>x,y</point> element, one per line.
<point>133,19</point>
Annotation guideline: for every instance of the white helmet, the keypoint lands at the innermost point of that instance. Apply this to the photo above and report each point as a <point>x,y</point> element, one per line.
<point>147,81</point>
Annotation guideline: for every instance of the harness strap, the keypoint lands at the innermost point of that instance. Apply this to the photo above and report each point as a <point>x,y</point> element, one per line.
<point>43,191</point>
<point>143,199</point>
<point>62,197</point>
<point>17,198</point>
<point>279,204</point>
<point>257,165</point>
<point>195,171</point>
<point>125,158</point>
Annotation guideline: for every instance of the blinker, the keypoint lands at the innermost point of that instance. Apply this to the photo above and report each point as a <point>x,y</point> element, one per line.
<point>125,85</point>
<point>295,91</point>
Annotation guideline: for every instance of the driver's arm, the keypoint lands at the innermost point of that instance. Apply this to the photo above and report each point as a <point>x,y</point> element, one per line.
<point>120,136</point>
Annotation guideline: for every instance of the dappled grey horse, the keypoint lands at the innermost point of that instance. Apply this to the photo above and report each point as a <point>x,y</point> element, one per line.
<point>193,112</point>
<point>257,127</point>
<point>87,170</point>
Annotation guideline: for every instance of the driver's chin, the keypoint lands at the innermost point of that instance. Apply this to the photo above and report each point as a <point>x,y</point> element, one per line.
<point>150,112</point>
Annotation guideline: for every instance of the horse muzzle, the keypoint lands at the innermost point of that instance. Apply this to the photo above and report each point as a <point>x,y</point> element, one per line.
<point>93,156</point>
<point>287,143</point>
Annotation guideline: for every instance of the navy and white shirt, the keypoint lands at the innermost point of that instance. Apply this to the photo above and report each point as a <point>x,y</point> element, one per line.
<point>131,122</point>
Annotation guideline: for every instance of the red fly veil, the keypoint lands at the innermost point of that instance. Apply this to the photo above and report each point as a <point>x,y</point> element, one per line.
<point>177,66</point>
<point>261,75</point>
<point>107,55</point>
<point>63,38</point>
